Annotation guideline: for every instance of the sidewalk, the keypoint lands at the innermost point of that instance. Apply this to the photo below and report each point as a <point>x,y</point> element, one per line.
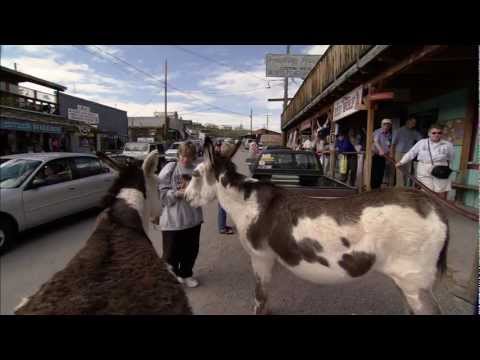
<point>458,290</point>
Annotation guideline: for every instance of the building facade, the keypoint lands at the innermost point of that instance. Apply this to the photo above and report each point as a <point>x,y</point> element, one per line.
<point>101,127</point>
<point>154,127</point>
<point>353,87</point>
<point>29,118</point>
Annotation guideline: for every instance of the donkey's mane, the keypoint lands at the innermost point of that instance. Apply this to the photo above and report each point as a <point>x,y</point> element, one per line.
<point>130,176</point>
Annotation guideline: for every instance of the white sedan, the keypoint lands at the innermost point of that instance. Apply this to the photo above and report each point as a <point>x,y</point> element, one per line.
<point>37,188</point>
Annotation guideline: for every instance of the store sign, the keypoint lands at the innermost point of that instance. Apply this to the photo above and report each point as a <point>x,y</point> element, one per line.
<point>349,104</point>
<point>83,114</point>
<point>29,127</point>
<point>285,65</point>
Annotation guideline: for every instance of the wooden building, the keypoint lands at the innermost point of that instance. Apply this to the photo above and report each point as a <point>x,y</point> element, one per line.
<point>356,86</point>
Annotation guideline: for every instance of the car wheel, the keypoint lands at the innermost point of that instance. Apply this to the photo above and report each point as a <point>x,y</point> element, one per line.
<point>7,234</point>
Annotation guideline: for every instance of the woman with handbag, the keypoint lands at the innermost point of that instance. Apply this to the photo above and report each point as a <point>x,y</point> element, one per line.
<point>434,158</point>
<point>179,222</point>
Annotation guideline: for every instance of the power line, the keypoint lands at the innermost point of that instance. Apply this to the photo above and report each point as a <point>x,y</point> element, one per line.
<point>215,61</point>
<point>172,86</point>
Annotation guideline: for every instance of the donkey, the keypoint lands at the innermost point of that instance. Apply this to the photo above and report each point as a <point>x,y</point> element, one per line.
<point>400,233</point>
<point>118,270</point>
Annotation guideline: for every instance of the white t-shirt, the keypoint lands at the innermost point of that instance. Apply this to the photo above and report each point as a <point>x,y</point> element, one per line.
<point>442,151</point>
<point>307,144</point>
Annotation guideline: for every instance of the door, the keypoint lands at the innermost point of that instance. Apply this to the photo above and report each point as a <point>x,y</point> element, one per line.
<point>92,180</point>
<point>50,194</point>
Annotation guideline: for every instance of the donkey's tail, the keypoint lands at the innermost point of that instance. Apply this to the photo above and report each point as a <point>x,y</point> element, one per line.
<point>442,257</point>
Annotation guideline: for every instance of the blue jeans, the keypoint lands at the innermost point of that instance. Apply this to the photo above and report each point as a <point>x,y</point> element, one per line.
<point>222,218</point>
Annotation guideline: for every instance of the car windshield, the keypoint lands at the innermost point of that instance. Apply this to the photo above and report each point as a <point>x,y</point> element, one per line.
<point>14,172</point>
<point>136,147</point>
<point>288,161</point>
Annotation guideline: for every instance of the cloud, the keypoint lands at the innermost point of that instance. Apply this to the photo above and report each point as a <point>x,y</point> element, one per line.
<point>74,75</point>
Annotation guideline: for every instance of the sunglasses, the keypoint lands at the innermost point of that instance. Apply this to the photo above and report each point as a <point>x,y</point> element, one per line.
<point>436,133</point>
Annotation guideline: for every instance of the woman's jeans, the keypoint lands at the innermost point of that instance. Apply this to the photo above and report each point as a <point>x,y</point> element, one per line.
<point>222,218</point>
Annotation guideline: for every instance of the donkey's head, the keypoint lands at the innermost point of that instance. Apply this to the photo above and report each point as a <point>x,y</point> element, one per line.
<point>203,187</point>
<point>138,186</point>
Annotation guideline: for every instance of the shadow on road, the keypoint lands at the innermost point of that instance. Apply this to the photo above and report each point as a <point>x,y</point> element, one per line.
<point>41,231</point>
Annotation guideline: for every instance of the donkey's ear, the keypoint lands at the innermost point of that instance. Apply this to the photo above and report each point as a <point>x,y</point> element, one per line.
<point>150,163</point>
<point>110,162</point>
<point>209,151</point>
<point>234,150</point>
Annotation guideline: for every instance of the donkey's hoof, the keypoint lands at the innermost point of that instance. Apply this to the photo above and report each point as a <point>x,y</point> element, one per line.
<point>261,310</point>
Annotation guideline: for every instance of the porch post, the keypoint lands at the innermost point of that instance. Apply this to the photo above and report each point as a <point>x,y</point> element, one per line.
<point>369,141</point>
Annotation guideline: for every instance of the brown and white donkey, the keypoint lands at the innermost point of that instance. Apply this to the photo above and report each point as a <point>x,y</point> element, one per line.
<point>400,233</point>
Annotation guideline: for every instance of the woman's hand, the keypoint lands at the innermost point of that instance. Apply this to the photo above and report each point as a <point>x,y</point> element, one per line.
<point>180,193</point>
<point>398,164</point>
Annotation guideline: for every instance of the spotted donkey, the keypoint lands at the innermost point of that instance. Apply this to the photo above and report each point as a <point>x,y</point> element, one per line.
<point>400,233</point>
<point>118,270</point>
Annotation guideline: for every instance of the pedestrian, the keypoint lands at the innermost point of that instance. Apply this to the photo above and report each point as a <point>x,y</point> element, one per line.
<point>343,145</point>
<point>403,141</point>
<point>223,228</point>
<point>179,222</point>
<point>253,149</point>
<point>307,144</point>
<point>382,140</point>
<point>431,152</point>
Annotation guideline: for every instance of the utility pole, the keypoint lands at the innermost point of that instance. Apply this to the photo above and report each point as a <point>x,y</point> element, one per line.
<point>268,116</point>
<point>251,115</point>
<point>285,94</point>
<point>166,116</point>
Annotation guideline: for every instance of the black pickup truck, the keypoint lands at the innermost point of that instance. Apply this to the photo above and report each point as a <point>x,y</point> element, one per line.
<point>298,171</point>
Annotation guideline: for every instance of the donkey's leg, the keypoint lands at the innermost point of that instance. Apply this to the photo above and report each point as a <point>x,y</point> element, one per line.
<point>420,300</point>
<point>262,268</point>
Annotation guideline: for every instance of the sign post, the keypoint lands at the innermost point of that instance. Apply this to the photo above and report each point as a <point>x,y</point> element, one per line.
<point>348,104</point>
<point>83,114</point>
<point>287,65</point>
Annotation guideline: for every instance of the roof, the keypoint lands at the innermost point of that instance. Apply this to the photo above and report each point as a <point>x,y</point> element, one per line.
<point>25,77</point>
<point>45,156</point>
<point>90,101</point>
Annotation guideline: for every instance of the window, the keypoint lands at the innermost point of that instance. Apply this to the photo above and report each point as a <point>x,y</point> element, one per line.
<point>14,172</point>
<point>53,172</point>
<point>288,161</point>
<point>305,161</point>
<point>87,166</point>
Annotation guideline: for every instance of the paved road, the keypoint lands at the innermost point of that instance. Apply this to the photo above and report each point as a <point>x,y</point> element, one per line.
<point>223,269</point>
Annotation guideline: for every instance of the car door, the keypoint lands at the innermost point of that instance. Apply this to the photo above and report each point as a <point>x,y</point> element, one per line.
<point>92,180</point>
<point>45,197</point>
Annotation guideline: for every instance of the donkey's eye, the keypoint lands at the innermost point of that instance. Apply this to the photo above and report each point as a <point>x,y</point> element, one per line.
<point>195,173</point>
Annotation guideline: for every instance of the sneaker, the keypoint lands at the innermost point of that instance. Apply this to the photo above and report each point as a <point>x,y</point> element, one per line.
<point>190,282</point>
<point>180,280</point>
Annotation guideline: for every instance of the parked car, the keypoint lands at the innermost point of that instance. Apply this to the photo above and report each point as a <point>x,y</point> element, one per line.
<point>275,147</point>
<point>140,150</point>
<point>298,171</point>
<point>171,154</point>
<point>199,145</point>
<point>248,142</point>
<point>37,188</point>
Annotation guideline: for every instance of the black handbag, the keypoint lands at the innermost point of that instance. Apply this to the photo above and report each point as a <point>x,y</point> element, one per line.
<point>439,171</point>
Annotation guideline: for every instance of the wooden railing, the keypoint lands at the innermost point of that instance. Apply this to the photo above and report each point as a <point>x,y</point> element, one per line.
<point>331,65</point>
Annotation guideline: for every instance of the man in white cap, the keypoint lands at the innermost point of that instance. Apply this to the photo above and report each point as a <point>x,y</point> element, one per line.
<point>382,141</point>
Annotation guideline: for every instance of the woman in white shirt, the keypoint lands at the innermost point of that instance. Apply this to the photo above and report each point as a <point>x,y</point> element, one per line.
<point>442,153</point>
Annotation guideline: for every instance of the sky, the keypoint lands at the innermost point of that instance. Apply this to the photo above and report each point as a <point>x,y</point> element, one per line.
<point>216,84</point>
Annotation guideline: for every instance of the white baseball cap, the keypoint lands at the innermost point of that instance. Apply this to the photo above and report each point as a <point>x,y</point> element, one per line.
<point>386,121</point>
